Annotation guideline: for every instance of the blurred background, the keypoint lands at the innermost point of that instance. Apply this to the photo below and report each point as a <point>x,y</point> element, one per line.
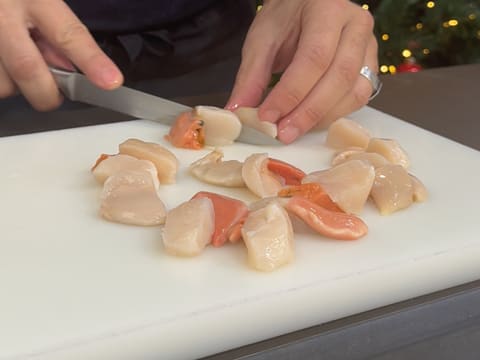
<point>417,34</point>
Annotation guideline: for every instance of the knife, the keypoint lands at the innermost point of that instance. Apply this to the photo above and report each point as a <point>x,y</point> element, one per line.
<point>77,87</point>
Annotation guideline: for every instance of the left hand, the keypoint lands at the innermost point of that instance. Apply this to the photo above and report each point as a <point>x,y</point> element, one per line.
<point>320,46</point>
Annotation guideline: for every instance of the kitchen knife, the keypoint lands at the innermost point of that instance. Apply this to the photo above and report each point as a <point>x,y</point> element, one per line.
<point>77,87</point>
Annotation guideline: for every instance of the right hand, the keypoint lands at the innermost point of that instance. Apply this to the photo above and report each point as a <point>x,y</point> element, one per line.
<point>36,32</point>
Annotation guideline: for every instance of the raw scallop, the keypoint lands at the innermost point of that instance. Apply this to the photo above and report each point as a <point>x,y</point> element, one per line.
<point>420,193</point>
<point>164,160</point>
<point>130,197</point>
<point>347,184</point>
<point>344,133</point>
<point>221,126</point>
<point>109,165</point>
<point>211,169</point>
<point>249,117</point>
<point>390,149</point>
<point>258,178</point>
<point>268,235</point>
<point>189,227</point>
<point>376,160</point>
<point>392,189</point>
<point>230,214</point>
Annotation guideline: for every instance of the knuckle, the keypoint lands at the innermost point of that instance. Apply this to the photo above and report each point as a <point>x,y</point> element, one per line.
<point>347,72</point>
<point>317,55</point>
<point>70,33</point>
<point>313,116</point>
<point>23,67</point>
<point>291,98</point>
<point>366,19</point>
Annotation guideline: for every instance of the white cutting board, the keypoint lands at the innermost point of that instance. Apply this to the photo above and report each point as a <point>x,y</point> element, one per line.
<point>73,286</point>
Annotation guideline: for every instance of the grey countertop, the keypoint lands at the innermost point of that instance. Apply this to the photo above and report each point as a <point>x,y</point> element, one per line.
<point>443,325</point>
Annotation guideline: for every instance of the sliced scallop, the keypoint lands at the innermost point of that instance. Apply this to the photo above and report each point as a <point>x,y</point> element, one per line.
<point>347,184</point>
<point>249,117</point>
<point>258,178</point>
<point>390,149</point>
<point>332,224</point>
<point>164,160</point>
<point>268,236</point>
<point>189,227</point>
<point>392,189</point>
<point>344,133</point>
<point>111,164</point>
<point>130,197</point>
<point>230,214</point>
<point>376,160</point>
<point>213,170</point>
<point>222,127</point>
<point>420,192</point>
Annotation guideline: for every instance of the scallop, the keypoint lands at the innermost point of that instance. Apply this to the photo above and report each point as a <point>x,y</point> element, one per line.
<point>164,160</point>
<point>347,184</point>
<point>259,180</point>
<point>114,163</point>
<point>189,227</point>
<point>212,170</point>
<point>344,133</point>
<point>392,189</point>
<point>420,192</point>
<point>130,197</point>
<point>390,149</point>
<point>249,117</point>
<point>376,160</point>
<point>222,127</point>
<point>268,236</point>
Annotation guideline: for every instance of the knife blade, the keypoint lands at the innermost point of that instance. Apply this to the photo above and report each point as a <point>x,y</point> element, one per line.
<point>138,104</point>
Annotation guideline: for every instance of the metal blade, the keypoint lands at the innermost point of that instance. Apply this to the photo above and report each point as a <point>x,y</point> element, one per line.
<point>138,104</point>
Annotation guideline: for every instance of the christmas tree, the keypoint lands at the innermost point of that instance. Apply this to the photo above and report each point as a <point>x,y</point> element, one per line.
<point>425,33</point>
<point>415,34</point>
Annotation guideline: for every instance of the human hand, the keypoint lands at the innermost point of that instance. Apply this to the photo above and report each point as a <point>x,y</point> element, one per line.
<point>34,33</point>
<point>320,46</point>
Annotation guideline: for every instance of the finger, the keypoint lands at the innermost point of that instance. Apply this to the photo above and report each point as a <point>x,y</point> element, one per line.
<point>339,79</point>
<point>316,49</point>
<point>59,25</point>
<point>360,94</point>
<point>7,86</point>
<point>253,76</point>
<point>21,59</point>
<point>51,55</point>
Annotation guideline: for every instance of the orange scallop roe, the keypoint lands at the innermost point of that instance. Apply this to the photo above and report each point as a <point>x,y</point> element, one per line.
<point>187,132</point>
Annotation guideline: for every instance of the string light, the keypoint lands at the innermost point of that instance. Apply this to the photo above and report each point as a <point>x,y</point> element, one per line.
<point>472,16</point>
<point>392,69</point>
<point>365,7</point>
<point>385,37</point>
<point>259,7</point>
<point>384,69</point>
<point>431,4</point>
<point>453,22</point>
<point>419,26</point>
<point>426,51</point>
<point>406,53</point>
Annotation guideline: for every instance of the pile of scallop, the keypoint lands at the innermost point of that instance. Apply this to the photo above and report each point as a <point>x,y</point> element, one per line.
<point>329,201</point>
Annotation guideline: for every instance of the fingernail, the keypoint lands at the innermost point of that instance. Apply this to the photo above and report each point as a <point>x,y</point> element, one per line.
<point>110,77</point>
<point>231,106</point>
<point>289,134</point>
<point>270,115</point>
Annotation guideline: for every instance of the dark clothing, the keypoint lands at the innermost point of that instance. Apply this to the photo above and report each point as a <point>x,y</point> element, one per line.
<point>166,38</point>
<point>127,16</point>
